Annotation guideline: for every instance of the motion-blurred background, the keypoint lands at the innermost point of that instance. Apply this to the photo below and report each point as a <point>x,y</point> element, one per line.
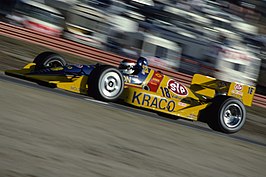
<point>224,39</point>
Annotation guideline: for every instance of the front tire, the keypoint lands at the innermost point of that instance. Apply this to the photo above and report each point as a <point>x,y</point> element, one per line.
<point>106,83</point>
<point>228,115</point>
<point>48,60</point>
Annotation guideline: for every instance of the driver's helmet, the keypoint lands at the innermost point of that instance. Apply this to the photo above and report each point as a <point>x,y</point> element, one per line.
<point>142,63</point>
<point>126,66</point>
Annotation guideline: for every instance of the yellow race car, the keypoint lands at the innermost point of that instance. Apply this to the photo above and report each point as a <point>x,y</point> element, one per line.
<point>218,103</point>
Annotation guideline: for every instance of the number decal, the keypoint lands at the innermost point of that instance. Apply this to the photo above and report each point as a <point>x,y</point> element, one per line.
<point>250,90</point>
<point>165,92</point>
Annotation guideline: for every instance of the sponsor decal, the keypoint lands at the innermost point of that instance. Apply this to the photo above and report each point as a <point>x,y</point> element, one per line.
<point>238,87</point>
<point>237,96</point>
<point>182,104</point>
<point>237,92</point>
<point>155,81</point>
<point>177,88</point>
<point>177,97</point>
<point>153,102</point>
<point>158,75</point>
<point>127,79</point>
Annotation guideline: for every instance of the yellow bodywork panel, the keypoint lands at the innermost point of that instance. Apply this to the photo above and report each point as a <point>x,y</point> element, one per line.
<point>150,100</point>
<point>78,85</point>
<point>200,90</point>
<point>208,86</point>
<point>212,87</point>
<point>244,93</point>
<point>29,66</point>
<point>25,70</point>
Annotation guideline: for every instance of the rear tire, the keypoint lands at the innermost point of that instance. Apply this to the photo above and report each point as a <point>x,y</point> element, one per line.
<point>227,114</point>
<point>48,60</point>
<point>106,83</point>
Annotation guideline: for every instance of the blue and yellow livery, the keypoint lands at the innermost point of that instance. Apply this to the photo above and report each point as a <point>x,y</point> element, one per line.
<point>218,103</point>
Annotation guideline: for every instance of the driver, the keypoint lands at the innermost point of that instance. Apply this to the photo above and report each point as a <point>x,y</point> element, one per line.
<point>131,68</point>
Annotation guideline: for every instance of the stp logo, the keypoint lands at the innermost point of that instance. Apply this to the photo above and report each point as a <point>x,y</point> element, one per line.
<point>177,88</point>
<point>238,87</point>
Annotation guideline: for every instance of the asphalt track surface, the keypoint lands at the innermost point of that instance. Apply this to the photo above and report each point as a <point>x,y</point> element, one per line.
<point>53,133</point>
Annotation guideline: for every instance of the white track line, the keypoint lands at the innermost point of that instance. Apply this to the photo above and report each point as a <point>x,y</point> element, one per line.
<point>97,101</point>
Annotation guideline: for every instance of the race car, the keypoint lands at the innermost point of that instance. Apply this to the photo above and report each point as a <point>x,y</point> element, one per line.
<point>218,103</point>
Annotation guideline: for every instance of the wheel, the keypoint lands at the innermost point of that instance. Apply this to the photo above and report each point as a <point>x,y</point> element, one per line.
<point>228,114</point>
<point>48,60</point>
<point>106,83</point>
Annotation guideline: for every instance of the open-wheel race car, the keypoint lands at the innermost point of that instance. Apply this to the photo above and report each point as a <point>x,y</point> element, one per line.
<point>218,103</point>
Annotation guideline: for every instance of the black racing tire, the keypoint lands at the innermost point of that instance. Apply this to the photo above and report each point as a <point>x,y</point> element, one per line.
<point>48,60</point>
<point>105,83</point>
<point>226,114</point>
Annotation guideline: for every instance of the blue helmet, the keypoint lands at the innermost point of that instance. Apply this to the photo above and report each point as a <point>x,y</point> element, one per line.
<point>142,63</point>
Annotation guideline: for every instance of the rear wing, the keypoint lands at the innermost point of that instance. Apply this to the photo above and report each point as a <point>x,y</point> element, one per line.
<point>211,87</point>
